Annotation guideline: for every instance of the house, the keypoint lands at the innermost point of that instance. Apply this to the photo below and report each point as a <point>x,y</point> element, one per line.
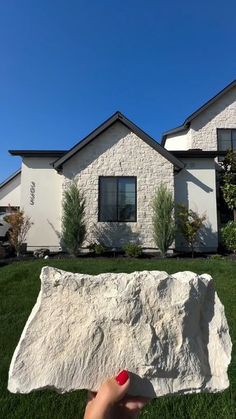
<point>119,167</point>
<point>10,192</point>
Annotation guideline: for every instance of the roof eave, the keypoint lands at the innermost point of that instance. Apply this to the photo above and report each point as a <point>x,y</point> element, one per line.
<point>118,116</point>
<point>177,130</point>
<point>189,119</point>
<point>81,144</point>
<point>154,144</point>
<point>37,153</point>
<point>11,177</point>
<point>197,153</point>
<point>209,102</point>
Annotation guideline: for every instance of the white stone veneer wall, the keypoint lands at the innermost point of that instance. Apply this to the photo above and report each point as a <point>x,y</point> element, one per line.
<point>119,152</point>
<point>222,114</point>
<point>203,129</point>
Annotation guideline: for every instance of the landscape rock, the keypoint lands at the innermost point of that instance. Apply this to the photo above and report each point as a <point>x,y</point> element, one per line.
<point>169,331</point>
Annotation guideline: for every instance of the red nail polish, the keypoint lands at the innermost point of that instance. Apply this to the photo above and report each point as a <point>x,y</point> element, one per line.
<point>122,377</point>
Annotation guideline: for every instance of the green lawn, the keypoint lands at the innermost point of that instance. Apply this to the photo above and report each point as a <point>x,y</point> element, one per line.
<point>19,287</point>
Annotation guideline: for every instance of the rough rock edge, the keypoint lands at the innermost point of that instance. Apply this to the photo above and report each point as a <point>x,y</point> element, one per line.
<point>45,272</point>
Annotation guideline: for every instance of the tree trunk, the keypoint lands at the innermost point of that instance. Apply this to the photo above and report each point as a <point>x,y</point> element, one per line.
<point>235,215</point>
<point>18,250</point>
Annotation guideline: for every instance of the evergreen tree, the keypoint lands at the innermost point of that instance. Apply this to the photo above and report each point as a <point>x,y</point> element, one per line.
<point>73,223</point>
<point>163,219</point>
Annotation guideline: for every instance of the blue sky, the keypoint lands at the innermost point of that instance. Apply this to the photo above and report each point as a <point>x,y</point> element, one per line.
<point>67,65</point>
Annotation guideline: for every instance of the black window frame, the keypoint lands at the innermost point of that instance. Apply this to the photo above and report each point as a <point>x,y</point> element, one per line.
<point>218,142</point>
<point>117,191</point>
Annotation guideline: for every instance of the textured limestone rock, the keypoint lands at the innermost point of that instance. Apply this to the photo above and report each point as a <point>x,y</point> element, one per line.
<point>169,331</point>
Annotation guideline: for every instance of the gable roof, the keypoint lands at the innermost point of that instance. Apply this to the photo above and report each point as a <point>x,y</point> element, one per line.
<point>37,153</point>
<point>186,124</point>
<point>118,116</point>
<point>11,177</point>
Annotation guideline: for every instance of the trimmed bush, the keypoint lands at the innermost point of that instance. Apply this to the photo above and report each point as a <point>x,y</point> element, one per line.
<point>228,234</point>
<point>216,257</point>
<point>132,249</point>
<point>97,248</point>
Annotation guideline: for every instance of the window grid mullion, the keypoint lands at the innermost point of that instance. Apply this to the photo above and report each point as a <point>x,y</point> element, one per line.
<point>117,214</point>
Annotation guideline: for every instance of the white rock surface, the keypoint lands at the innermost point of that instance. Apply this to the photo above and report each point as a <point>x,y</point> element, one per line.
<point>169,331</point>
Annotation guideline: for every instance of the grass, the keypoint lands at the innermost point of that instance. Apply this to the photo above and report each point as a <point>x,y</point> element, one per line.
<point>19,287</point>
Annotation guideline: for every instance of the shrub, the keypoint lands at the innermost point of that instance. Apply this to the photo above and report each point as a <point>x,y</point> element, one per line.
<point>189,224</point>
<point>97,248</point>
<point>163,219</point>
<point>41,253</point>
<point>73,223</point>
<point>132,249</point>
<point>228,233</point>
<point>20,225</point>
<point>228,177</point>
<point>216,257</point>
<point>2,252</point>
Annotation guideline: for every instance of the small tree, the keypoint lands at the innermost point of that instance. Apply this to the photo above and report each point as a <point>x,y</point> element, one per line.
<point>73,223</point>
<point>228,233</point>
<point>229,181</point>
<point>163,219</point>
<point>189,223</point>
<point>20,225</point>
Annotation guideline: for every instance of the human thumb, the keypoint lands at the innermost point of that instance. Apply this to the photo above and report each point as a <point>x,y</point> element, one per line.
<point>113,390</point>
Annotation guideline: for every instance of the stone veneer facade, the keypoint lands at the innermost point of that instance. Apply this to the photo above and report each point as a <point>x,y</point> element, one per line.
<point>221,114</point>
<point>119,152</point>
<point>203,129</point>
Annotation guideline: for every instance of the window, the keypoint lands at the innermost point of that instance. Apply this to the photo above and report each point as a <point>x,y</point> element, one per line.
<point>226,139</point>
<point>117,198</point>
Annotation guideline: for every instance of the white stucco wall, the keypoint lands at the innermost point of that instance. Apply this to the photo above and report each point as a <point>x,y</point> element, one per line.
<point>195,186</point>
<point>180,141</point>
<point>119,152</point>
<point>10,193</point>
<point>42,202</point>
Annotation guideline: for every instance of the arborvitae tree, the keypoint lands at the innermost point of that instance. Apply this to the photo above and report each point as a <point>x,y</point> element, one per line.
<point>73,222</point>
<point>163,219</point>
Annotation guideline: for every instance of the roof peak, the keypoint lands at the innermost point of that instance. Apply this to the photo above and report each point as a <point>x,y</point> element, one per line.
<point>188,120</point>
<point>117,116</point>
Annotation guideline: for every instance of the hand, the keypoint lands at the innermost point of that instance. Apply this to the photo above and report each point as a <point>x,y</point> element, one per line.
<point>112,402</point>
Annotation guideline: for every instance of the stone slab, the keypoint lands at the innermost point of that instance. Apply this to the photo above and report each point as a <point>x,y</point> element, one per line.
<point>169,331</point>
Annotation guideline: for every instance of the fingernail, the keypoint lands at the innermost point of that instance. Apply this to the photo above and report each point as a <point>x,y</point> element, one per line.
<point>122,377</point>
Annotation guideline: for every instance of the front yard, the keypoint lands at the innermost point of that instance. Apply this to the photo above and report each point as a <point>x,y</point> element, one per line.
<point>19,287</point>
